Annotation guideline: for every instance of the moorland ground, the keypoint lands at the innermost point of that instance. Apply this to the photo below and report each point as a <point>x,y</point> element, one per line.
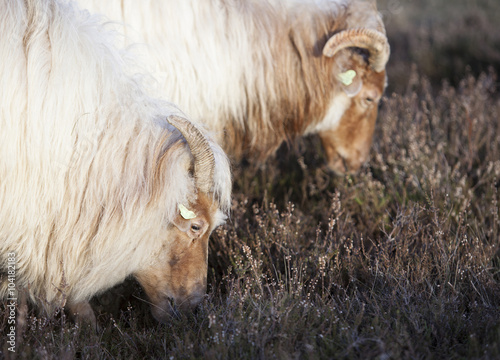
<point>401,261</point>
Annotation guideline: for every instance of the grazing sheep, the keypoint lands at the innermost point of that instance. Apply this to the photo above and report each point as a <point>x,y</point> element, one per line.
<point>258,73</point>
<point>98,180</point>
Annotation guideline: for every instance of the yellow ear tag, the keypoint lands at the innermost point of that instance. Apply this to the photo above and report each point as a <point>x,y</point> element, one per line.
<point>185,213</point>
<point>347,77</point>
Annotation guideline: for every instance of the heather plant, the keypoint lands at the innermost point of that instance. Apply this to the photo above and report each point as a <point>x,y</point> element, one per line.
<point>401,261</point>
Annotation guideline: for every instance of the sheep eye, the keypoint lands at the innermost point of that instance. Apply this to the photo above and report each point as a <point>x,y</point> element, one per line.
<point>369,99</point>
<point>195,228</point>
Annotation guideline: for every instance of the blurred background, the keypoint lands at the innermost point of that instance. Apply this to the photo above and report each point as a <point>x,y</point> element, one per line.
<point>442,39</point>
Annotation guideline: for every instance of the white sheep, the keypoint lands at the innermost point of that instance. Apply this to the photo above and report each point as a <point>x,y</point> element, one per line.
<point>98,180</point>
<point>258,73</point>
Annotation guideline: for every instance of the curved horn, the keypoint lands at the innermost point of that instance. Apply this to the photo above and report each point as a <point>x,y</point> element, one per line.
<point>204,161</point>
<point>372,40</point>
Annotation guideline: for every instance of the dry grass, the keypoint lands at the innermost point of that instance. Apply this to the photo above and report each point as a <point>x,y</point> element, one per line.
<point>401,261</point>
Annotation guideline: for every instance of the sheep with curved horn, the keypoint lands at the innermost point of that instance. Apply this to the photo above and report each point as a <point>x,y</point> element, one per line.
<point>258,73</point>
<point>99,180</point>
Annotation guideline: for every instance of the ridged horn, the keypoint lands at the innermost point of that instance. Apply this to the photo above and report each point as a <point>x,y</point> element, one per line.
<point>372,40</point>
<point>204,161</point>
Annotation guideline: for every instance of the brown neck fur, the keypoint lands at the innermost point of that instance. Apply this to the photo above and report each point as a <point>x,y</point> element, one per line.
<point>300,85</point>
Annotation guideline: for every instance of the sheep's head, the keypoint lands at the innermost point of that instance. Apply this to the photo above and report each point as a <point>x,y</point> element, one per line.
<point>347,138</point>
<point>179,271</point>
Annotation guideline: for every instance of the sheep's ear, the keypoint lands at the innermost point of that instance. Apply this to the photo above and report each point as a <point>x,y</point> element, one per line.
<point>350,82</point>
<point>181,223</point>
<point>183,219</point>
<point>188,222</point>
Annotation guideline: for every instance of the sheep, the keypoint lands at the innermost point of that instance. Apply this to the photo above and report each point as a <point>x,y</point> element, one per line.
<point>98,179</point>
<point>259,73</point>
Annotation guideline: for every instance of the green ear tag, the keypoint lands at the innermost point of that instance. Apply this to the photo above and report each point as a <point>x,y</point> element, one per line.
<point>347,77</point>
<point>185,213</point>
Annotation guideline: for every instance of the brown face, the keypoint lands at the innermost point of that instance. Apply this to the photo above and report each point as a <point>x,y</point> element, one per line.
<point>180,271</point>
<point>347,146</point>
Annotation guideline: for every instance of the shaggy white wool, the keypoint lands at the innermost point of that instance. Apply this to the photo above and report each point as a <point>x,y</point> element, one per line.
<point>81,203</point>
<point>246,69</point>
<point>215,59</point>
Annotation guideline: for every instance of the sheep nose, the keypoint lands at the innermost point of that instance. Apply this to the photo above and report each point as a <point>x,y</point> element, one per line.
<point>341,166</point>
<point>193,300</point>
<point>338,166</point>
